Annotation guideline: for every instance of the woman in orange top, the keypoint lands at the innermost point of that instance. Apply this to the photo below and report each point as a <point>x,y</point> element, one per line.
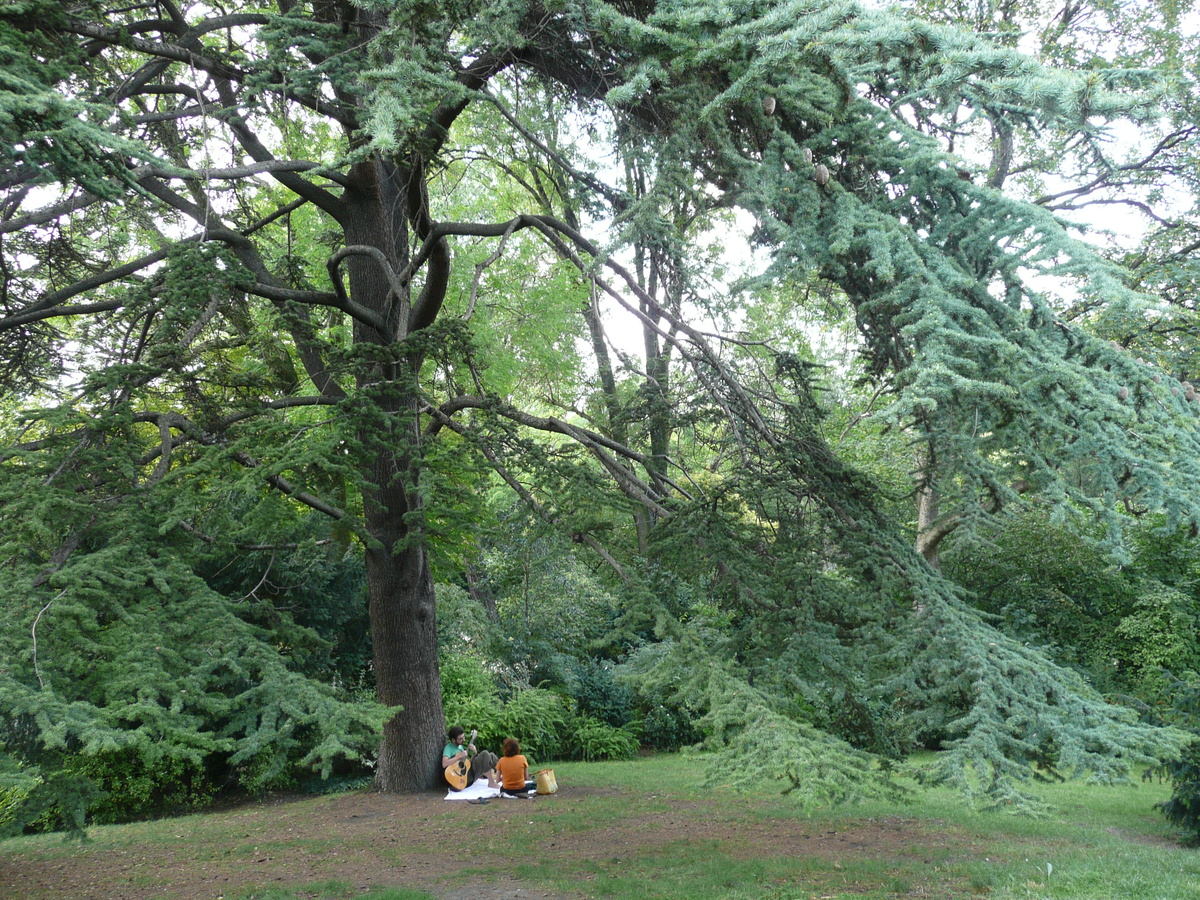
<point>514,770</point>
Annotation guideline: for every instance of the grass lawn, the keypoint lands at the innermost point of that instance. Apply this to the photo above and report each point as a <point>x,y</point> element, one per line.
<point>644,829</point>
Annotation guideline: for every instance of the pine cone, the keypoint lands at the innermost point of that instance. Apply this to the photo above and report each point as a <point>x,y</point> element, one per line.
<point>821,175</point>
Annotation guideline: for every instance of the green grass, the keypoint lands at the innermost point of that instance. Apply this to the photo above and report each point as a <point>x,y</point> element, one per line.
<point>1097,843</point>
<point>647,829</point>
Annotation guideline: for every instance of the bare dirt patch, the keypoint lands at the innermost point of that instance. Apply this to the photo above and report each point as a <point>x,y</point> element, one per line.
<point>423,842</point>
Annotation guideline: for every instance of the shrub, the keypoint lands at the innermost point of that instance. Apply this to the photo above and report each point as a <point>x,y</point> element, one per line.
<point>666,718</point>
<point>598,693</point>
<point>548,724</point>
<point>131,787</point>
<point>465,676</point>
<point>1159,633</point>
<point>266,772</point>
<point>872,725</point>
<point>469,698</point>
<point>483,714</point>
<point>590,740</point>
<point>538,719</point>
<point>668,728</point>
<point>1183,807</point>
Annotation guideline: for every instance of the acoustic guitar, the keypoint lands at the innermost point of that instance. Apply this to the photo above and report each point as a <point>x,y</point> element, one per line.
<point>456,773</point>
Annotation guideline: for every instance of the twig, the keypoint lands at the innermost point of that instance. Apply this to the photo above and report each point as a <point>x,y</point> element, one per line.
<point>33,631</point>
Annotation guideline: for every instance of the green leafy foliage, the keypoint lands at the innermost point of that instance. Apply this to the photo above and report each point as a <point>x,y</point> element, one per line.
<point>1052,587</point>
<point>591,739</point>
<point>130,787</point>
<point>1001,712</point>
<point>540,719</point>
<point>62,138</point>
<point>667,727</point>
<point>548,724</point>
<point>597,692</point>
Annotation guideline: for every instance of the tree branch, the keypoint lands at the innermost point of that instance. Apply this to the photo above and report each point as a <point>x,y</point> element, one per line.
<point>343,299</point>
<point>198,59</point>
<point>281,484</point>
<point>264,167</point>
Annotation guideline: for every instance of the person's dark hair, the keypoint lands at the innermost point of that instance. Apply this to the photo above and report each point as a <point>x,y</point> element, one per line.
<point>455,733</point>
<point>511,747</point>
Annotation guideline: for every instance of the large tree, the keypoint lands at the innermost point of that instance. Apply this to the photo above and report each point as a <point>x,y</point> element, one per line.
<point>229,236</point>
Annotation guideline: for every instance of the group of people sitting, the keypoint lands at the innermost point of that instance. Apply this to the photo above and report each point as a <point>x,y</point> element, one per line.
<point>509,772</point>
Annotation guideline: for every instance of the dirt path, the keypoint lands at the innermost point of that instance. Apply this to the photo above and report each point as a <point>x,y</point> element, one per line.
<point>376,840</point>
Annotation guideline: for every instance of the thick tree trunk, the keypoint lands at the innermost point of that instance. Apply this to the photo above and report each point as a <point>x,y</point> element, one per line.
<point>930,531</point>
<point>932,526</point>
<point>402,604</point>
<point>404,635</point>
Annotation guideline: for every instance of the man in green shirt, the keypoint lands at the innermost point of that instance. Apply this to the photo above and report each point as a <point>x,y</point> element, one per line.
<point>464,765</point>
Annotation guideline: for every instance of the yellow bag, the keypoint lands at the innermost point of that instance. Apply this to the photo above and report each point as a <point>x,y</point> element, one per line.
<point>546,783</point>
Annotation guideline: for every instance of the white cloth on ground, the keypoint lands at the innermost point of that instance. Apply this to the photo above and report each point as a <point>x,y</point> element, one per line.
<point>477,791</point>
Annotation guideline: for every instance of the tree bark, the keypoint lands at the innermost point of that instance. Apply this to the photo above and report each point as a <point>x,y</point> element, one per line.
<point>403,608</point>
<point>929,534</point>
<point>404,637</point>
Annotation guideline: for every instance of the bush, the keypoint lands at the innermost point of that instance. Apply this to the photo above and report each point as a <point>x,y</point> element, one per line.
<point>535,717</point>
<point>469,698</point>
<point>548,724</point>
<point>598,693</point>
<point>1183,807</point>
<point>538,719</point>
<point>265,772</point>
<point>590,740</point>
<point>1159,633</point>
<point>465,676</point>
<point>668,728</point>
<point>131,787</point>
<point>872,725</point>
<point>482,714</point>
